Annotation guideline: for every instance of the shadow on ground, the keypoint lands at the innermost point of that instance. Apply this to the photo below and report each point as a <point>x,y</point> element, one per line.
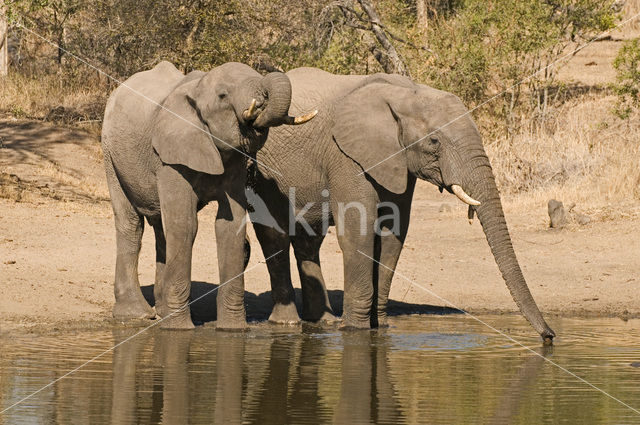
<point>259,305</point>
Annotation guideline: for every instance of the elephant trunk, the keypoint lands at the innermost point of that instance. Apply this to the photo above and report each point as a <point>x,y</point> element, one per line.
<point>480,184</point>
<point>276,89</point>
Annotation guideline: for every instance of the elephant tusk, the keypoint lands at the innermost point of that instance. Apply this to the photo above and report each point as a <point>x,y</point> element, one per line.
<point>304,118</point>
<point>470,213</point>
<point>248,113</point>
<point>301,119</point>
<point>460,193</point>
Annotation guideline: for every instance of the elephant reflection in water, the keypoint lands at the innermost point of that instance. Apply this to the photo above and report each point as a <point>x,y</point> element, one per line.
<point>515,394</point>
<point>124,400</point>
<point>367,394</point>
<point>275,380</point>
<point>291,390</point>
<point>170,402</point>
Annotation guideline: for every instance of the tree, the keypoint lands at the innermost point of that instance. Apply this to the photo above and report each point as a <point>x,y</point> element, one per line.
<point>4,30</point>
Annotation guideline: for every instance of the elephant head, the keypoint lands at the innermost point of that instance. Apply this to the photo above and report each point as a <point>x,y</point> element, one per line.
<point>229,108</point>
<point>393,129</point>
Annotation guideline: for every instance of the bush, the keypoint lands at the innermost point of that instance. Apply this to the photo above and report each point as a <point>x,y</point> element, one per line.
<point>474,48</point>
<point>627,85</point>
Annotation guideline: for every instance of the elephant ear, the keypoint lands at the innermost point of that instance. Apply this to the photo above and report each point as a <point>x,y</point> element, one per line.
<point>367,130</point>
<point>180,137</point>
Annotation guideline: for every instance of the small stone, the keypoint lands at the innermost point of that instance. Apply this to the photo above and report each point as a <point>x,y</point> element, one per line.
<point>582,219</point>
<point>557,214</point>
<point>445,208</point>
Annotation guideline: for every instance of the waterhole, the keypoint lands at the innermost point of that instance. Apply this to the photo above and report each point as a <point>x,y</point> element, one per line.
<point>423,369</point>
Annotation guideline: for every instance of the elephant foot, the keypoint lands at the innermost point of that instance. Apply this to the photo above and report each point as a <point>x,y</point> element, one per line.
<point>231,322</point>
<point>328,317</point>
<point>178,319</point>
<point>285,314</point>
<point>351,324</point>
<point>382,321</point>
<point>133,308</point>
<point>232,326</point>
<point>162,310</point>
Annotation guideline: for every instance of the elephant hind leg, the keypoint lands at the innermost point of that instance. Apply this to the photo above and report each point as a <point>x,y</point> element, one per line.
<point>130,303</point>
<point>275,247</point>
<point>315,299</point>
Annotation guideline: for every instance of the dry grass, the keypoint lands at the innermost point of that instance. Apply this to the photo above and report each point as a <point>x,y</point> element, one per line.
<point>592,159</point>
<point>53,98</point>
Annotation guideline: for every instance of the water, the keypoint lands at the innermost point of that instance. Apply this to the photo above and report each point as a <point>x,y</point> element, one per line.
<point>424,369</point>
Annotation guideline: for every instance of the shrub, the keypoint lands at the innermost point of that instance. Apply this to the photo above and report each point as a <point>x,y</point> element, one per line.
<point>627,85</point>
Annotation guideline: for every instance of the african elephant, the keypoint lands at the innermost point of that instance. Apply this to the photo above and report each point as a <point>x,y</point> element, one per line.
<point>356,166</point>
<point>173,143</point>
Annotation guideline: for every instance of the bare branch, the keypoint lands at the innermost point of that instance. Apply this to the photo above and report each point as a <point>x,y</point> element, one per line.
<point>376,27</point>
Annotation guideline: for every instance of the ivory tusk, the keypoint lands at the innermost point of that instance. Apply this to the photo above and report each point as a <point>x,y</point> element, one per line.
<point>459,192</point>
<point>301,119</point>
<point>304,118</point>
<point>248,113</point>
<point>470,213</point>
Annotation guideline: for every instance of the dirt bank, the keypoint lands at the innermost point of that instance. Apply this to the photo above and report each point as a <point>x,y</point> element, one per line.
<point>57,248</point>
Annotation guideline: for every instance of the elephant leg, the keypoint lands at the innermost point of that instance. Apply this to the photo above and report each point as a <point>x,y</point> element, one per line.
<point>161,259</point>
<point>393,226</point>
<point>178,204</point>
<point>130,303</point>
<point>356,239</point>
<point>230,242</point>
<point>275,247</point>
<point>315,299</point>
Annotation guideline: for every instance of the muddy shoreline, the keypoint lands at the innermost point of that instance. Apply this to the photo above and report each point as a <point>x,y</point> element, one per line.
<point>9,327</point>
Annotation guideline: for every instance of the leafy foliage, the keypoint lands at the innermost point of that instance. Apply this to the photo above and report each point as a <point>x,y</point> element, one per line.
<point>474,48</point>
<point>627,66</point>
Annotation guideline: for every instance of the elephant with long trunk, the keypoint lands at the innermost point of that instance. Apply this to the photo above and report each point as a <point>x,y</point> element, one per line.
<point>173,143</point>
<point>356,166</point>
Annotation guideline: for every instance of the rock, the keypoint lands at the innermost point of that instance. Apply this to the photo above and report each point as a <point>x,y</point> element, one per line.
<point>582,219</point>
<point>557,214</point>
<point>445,208</point>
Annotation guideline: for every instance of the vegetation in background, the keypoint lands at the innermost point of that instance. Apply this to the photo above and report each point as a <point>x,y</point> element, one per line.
<point>627,86</point>
<point>473,48</point>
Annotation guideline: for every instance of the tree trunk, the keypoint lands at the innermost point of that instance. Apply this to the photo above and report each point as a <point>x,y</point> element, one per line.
<point>376,28</point>
<point>422,14</point>
<point>4,30</point>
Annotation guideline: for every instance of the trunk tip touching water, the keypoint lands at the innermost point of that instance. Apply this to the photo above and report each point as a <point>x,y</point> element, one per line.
<point>493,222</point>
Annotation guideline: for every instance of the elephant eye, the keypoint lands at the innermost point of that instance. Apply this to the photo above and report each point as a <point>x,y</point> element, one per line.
<point>222,96</point>
<point>434,141</point>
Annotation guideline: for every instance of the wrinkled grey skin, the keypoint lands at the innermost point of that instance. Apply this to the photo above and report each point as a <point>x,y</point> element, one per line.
<point>364,120</point>
<point>161,165</point>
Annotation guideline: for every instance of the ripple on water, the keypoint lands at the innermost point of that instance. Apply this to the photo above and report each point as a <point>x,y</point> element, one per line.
<point>423,369</point>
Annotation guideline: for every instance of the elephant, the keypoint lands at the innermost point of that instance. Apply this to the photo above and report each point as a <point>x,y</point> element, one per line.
<point>355,166</point>
<point>173,143</point>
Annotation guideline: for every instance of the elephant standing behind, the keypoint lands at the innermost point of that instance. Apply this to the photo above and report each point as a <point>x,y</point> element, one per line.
<point>356,166</point>
<point>173,143</point>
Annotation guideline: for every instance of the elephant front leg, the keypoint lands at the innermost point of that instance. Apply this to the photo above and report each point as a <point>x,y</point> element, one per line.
<point>178,204</point>
<point>391,230</point>
<point>230,239</point>
<point>356,240</point>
